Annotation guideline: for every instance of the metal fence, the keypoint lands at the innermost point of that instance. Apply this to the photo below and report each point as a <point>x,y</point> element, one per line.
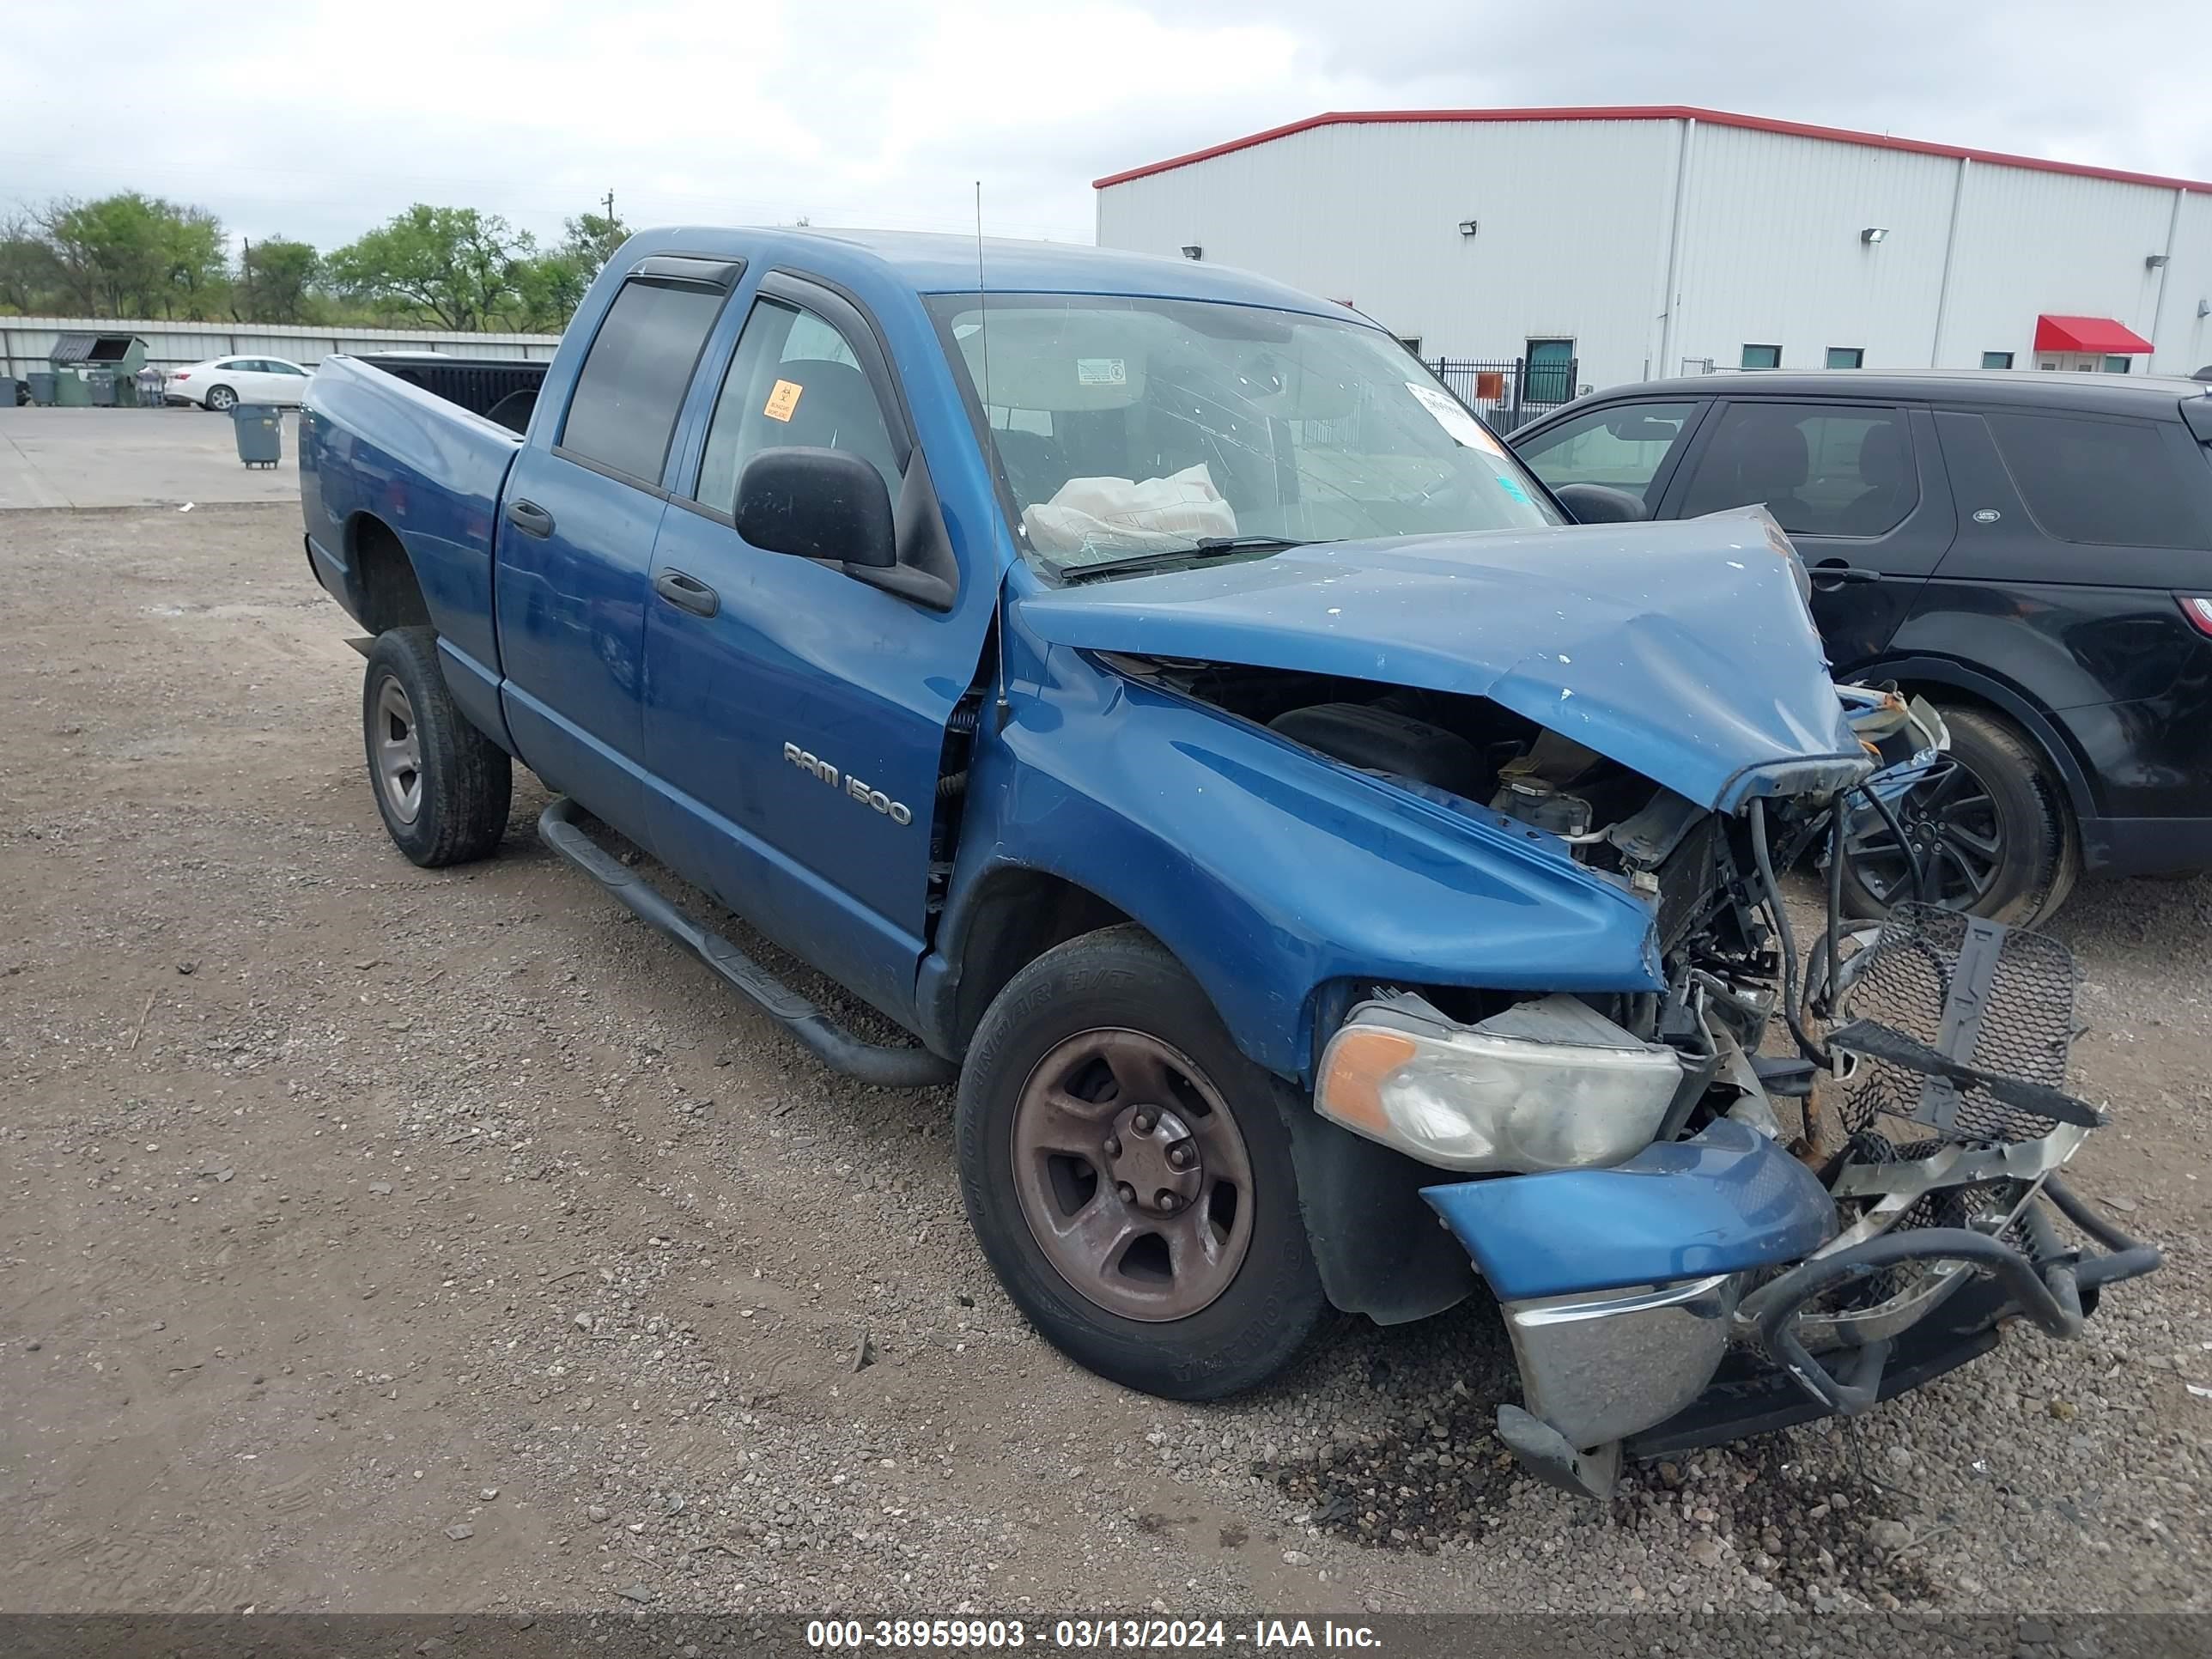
<point>25,341</point>
<point>1509,391</point>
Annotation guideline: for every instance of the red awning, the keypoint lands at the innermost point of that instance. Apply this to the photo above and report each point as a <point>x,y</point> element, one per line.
<point>2099,334</point>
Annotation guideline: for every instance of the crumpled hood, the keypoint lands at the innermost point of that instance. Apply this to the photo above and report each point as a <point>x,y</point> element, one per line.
<point>1681,649</point>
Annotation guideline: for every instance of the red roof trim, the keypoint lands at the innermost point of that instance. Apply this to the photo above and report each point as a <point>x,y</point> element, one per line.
<point>1654,112</point>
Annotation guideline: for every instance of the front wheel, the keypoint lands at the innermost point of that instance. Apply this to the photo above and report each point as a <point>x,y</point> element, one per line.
<point>1129,1174</point>
<point>1991,831</point>
<point>222,399</point>
<point>442,787</point>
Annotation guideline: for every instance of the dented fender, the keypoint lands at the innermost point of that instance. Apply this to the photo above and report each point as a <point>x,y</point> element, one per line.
<point>1271,871</point>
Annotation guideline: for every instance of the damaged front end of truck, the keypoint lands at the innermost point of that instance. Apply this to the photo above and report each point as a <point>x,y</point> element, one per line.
<point>1812,1225</point>
<point>1806,1161</point>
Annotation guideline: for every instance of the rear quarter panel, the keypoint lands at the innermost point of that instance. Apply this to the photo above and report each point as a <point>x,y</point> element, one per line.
<point>373,446</point>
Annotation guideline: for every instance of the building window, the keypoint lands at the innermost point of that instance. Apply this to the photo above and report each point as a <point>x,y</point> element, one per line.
<point>2119,365</point>
<point>1997,360</point>
<point>1551,372</point>
<point>1846,356</point>
<point>1762,357</point>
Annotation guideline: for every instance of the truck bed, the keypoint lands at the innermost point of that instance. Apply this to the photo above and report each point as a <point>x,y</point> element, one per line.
<point>394,449</point>
<point>503,389</point>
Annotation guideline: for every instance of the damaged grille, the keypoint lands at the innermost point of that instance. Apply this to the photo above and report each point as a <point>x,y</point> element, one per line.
<point>2012,1016</point>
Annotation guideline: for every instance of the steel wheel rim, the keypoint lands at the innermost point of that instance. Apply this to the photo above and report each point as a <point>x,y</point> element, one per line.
<point>1132,1175</point>
<point>1952,821</point>
<point>398,744</point>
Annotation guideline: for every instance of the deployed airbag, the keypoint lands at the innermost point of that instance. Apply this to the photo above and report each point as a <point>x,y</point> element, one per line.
<point>1114,518</point>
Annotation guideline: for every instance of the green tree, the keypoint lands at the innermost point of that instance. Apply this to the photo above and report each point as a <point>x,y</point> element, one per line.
<point>593,238</point>
<point>549,287</point>
<point>195,262</point>
<point>134,254</point>
<point>30,276</point>
<point>454,265</point>
<point>548,290</point>
<point>277,278</point>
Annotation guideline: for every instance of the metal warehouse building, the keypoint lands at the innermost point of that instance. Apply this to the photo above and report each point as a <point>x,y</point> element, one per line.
<point>1601,245</point>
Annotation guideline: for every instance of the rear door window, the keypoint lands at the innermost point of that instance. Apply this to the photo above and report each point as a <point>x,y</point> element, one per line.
<point>1821,469</point>
<point>1625,446</point>
<point>634,377</point>
<point>2112,481</point>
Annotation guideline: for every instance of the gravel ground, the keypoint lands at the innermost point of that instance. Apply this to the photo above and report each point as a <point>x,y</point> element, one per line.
<point>381,1239</point>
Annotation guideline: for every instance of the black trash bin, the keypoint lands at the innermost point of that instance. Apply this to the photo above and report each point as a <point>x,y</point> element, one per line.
<point>260,429</point>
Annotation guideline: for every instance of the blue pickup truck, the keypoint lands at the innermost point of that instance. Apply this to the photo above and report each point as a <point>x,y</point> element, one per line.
<point>1334,876</point>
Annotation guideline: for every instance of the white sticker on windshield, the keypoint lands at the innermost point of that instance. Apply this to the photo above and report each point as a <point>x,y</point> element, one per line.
<point>1461,426</point>
<point>1101,371</point>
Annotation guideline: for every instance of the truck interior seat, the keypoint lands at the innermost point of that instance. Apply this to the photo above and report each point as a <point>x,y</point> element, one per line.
<point>1886,466</point>
<point>1766,464</point>
<point>837,409</point>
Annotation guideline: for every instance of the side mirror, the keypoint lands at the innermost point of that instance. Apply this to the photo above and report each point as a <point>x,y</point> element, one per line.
<point>817,504</point>
<point>1590,503</point>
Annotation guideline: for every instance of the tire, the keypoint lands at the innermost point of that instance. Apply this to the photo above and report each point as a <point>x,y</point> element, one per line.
<point>441,787</point>
<point>1252,1299</point>
<point>2001,791</point>
<point>220,400</point>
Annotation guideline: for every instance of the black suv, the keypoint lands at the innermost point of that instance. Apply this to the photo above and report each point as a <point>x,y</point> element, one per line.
<point>2032,550</point>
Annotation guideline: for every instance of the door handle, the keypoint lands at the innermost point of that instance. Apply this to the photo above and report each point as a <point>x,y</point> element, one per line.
<point>530,518</point>
<point>1835,573</point>
<point>686,593</point>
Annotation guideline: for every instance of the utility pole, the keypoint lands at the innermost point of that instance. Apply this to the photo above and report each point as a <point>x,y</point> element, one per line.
<point>611,206</point>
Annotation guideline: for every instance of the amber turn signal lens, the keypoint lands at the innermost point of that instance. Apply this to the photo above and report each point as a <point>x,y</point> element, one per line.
<point>1358,1061</point>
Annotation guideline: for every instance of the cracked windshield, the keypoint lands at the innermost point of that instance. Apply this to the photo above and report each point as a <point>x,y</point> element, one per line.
<point>1130,428</point>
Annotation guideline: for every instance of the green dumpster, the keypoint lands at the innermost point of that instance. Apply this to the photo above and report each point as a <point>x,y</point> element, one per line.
<point>78,359</point>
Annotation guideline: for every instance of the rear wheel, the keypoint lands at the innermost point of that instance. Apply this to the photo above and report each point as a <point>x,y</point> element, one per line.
<point>1991,830</point>
<point>1129,1174</point>
<point>222,399</point>
<point>442,787</point>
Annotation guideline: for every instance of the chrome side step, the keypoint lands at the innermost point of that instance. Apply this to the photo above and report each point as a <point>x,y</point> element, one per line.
<point>877,1063</point>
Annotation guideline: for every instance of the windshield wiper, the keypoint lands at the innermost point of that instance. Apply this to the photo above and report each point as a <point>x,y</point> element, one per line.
<point>1206,547</point>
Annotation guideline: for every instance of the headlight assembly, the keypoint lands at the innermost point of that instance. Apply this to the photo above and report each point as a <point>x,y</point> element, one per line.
<point>1550,1084</point>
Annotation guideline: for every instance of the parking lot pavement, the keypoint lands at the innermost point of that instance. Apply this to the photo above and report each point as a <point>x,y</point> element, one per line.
<point>377,1238</point>
<point>133,457</point>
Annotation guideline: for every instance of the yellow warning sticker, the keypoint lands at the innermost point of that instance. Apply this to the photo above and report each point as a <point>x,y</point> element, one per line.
<point>783,398</point>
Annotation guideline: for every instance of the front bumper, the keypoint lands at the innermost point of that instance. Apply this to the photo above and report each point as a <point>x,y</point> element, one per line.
<point>1642,1370</point>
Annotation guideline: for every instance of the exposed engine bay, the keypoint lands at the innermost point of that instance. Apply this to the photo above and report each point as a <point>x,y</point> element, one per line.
<point>1482,756</point>
<point>1862,1139</point>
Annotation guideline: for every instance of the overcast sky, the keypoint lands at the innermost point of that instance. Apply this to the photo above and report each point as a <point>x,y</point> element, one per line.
<point>318,120</point>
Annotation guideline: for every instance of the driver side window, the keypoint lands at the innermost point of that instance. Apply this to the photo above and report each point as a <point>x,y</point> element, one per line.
<point>793,382</point>
<point>1623,447</point>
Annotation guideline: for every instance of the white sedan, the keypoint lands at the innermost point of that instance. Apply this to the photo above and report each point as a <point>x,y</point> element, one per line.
<point>222,382</point>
